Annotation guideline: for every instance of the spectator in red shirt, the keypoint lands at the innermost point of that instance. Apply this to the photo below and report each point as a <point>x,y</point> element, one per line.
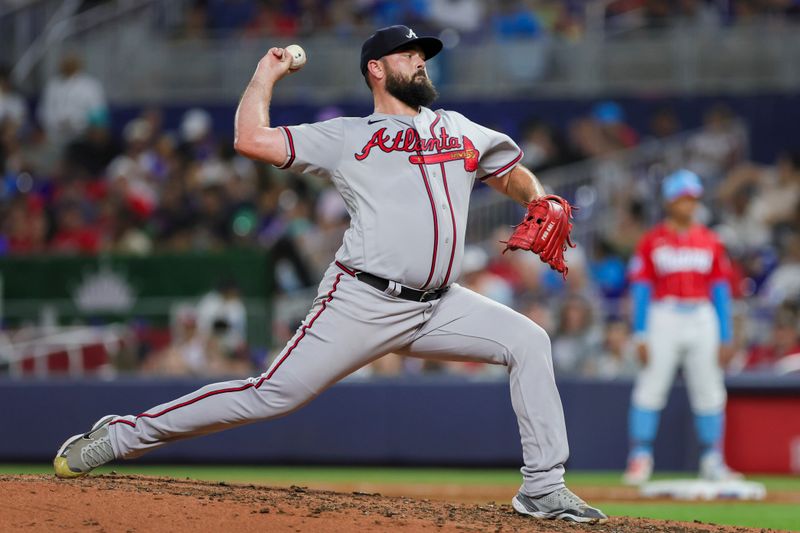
<point>25,228</point>
<point>73,234</point>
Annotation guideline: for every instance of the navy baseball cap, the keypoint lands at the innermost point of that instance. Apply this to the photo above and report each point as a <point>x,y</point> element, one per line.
<point>681,183</point>
<point>388,40</point>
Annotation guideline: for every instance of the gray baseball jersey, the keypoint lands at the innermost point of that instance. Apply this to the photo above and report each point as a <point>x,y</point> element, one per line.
<point>406,182</point>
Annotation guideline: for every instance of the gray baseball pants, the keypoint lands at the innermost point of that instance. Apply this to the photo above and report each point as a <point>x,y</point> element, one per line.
<point>352,324</point>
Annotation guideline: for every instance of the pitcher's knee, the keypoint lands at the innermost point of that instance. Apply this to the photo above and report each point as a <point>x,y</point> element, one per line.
<point>277,398</point>
<point>528,340</point>
<point>537,336</point>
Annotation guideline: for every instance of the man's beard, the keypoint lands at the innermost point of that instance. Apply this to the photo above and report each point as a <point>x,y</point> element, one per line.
<point>416,92</point>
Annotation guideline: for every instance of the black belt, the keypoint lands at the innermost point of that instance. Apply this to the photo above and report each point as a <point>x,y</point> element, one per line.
<point>406,293</point>
<point>398,290</point>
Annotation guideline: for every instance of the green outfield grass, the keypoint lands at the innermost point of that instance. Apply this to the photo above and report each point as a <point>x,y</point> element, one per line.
<point>751,514</point>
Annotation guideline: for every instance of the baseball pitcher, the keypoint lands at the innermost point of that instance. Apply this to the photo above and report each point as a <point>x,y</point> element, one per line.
<point>405,173</point>
<point>682,318</point>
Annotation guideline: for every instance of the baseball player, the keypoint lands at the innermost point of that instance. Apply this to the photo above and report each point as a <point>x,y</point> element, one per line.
<point>682,318</point>
<point>405,173</point>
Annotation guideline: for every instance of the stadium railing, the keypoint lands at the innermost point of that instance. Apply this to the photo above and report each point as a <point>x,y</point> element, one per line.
<point>763,55</point>
<point>71,350</point>
<point>101,315</point>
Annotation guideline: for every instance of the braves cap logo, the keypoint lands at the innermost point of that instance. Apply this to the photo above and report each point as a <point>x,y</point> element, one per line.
<point>411,34</point>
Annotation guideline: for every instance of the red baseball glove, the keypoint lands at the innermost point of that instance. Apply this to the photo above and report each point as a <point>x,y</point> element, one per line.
<point>545,231</point>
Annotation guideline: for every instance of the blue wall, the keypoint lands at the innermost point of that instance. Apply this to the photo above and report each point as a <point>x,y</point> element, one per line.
<point>435,421</point>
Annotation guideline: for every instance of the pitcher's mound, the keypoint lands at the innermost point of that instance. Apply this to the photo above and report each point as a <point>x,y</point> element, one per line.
<point>148,504</point>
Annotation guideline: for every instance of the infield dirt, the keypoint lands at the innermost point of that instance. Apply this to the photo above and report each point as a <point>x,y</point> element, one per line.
<point>112,503</point>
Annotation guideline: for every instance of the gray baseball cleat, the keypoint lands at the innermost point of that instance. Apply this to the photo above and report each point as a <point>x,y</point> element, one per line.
<point>81,454</point>
<point>560,504</point>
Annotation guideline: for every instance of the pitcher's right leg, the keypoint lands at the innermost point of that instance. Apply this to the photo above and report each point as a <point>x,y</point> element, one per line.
<point>349,325</point>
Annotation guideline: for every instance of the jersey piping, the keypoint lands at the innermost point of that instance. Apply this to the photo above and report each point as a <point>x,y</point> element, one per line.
<point>503,169</point>
<point>435,219</point>
<point>449,204</point>
<point>290,142</point>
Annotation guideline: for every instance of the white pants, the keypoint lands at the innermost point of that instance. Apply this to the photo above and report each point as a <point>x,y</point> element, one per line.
<point>352,324</point>
<point>688,335</point>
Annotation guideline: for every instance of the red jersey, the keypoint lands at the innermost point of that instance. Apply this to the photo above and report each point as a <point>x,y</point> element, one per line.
<point>680,264</point>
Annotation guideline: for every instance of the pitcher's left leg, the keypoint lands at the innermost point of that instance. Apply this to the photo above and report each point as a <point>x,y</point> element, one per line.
<point>466,326</point>
<point>469,327</point>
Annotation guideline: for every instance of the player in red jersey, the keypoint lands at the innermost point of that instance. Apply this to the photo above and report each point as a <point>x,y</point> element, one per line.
<point>681,317</point>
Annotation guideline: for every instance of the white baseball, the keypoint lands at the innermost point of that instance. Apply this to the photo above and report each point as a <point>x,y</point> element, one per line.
<point>298,56</point>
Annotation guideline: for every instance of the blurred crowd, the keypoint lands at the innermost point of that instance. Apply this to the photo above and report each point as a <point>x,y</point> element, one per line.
<point>754,208</point>
<point>71,186</point>
<point>470,19</point>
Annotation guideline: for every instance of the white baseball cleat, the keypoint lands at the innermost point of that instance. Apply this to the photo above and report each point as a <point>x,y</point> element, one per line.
<point>80,454</point>
<point>639,470</point>
<point>713,468</point>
